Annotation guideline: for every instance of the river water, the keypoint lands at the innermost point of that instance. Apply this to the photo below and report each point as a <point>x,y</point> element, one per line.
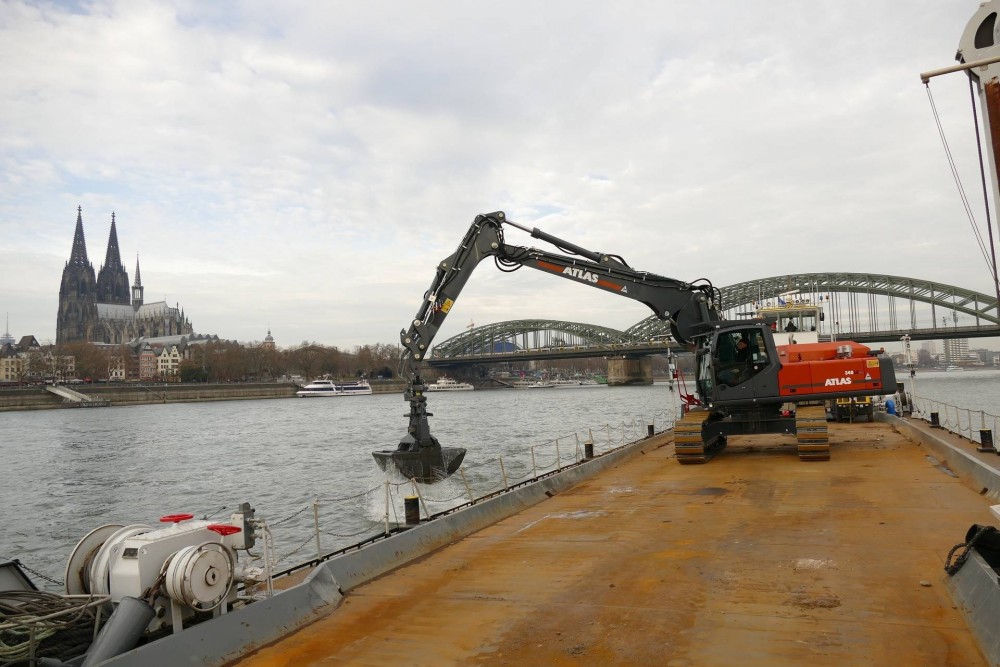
<point>974,389</point>
<point>66,472</point>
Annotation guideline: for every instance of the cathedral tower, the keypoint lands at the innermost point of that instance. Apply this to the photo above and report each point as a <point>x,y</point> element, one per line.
<point>77,292</point>
<point>102,309</point>
<point>112,279</point>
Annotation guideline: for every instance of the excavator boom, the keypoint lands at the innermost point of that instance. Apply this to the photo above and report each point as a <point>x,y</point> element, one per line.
<point>690,309</point>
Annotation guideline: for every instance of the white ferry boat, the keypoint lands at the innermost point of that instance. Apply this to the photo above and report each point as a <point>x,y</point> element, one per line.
<point>331,388</point>
<point>318,388</point>
<point>359,388</point>
<point>447,384</point>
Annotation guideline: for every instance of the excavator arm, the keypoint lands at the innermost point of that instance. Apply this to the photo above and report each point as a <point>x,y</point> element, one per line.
<point>689,308</point>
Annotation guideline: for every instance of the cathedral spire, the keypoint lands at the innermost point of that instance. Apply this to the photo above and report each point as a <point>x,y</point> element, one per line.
<point>79,255</point>
<point>112,280</point>
<point>77,292</point>
<point>137,286</point>
<point>113,257</point>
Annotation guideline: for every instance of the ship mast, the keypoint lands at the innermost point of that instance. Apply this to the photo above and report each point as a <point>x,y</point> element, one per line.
<point>979,56</point>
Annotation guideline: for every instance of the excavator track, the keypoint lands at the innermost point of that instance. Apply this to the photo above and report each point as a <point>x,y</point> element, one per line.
<point>811,433</point>
<point>688,444</point>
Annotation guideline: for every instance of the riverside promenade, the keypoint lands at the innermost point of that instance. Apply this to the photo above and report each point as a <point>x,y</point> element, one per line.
<point>37,398</point>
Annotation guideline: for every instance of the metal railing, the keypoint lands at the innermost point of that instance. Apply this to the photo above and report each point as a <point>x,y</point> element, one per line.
<point>969,424</point>
<point>335,525</point>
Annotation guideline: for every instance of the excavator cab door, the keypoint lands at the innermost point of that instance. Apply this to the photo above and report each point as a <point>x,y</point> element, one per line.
<point>743,365</point>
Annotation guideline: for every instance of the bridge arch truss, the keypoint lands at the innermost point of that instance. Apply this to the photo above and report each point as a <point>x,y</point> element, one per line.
<point>509,337</point>
<point>862,306</point>
<point>856,303</point>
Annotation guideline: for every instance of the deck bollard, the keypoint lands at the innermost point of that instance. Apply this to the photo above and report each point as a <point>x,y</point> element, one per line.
<point>650,432</point>
<point>986,441</point>
<point>588,449</point>
<point>412,506</point>
<point>935,420</point>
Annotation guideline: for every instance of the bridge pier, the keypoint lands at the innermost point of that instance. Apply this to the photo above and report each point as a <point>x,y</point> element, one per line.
<point>622,371</point>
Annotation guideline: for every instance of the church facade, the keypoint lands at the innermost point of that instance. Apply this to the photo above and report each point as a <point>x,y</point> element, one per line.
<point>102,307</point>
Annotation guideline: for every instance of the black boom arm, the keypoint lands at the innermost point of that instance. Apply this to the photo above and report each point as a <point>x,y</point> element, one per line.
<point>689,308</point>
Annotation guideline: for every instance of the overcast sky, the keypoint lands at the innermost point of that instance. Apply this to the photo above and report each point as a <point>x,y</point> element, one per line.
<point>304,166</point>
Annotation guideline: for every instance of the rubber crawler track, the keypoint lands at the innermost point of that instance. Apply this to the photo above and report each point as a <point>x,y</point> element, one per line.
<point>688,445</point>
<point>811,433</point>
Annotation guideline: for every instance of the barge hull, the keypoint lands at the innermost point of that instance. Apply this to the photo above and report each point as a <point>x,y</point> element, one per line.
<point>755,559</point>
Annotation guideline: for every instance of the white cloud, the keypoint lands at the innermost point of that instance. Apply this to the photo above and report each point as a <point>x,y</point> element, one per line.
<point>306,166</point>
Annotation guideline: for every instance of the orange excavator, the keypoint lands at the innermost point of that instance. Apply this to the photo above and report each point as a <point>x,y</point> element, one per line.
<point>746,383</point>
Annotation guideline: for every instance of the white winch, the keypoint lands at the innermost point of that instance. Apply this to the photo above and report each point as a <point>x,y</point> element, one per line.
<point>182,569</point>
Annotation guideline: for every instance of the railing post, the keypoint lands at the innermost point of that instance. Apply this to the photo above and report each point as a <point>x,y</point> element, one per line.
<point>416,490</point>
<point>578,455</point>
<point>506,486</point>
<point>387,500</point>
<point>534,470</point>
<point>467,488</point>
<point>558,458</point>
<point>319,552</point>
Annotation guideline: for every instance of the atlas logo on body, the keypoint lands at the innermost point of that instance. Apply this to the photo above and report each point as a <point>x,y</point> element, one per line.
<point>584,275</point>
<point>580,274</point>
<point>834,382</point>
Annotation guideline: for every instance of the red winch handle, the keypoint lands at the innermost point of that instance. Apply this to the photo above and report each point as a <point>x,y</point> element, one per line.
<point>175,518</point>
<point>224,529</point>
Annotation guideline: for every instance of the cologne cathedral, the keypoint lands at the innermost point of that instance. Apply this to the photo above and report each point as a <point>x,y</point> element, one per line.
<point>103,309</point>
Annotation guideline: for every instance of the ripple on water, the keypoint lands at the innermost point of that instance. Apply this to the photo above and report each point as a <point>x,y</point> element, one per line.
<point>66,472</point>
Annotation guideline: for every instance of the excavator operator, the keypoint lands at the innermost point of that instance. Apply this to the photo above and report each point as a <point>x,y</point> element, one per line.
<point>734,355</point>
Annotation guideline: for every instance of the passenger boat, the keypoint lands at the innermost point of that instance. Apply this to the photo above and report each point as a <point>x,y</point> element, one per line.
<point>318,388</point>
<point>447,384</point>
<point>331,388</point>
<point>542,384</point>
<point>359,388</point>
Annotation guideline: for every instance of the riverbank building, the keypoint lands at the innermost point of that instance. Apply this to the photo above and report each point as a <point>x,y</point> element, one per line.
<point>102,307</point>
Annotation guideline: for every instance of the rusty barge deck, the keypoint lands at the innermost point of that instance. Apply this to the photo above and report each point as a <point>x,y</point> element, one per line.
<point>753,559</point>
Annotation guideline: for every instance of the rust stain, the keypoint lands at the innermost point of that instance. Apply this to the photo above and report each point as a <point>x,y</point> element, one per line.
<point>796,567</point>
<point>992,95</point>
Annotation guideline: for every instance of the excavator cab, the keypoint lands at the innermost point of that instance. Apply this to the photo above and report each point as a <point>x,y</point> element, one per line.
<point>738,366</point>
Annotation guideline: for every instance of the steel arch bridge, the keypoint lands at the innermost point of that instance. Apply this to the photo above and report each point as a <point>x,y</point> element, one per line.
<point>509,337</point>
<point>891,305</point>
<point>865,307</point>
